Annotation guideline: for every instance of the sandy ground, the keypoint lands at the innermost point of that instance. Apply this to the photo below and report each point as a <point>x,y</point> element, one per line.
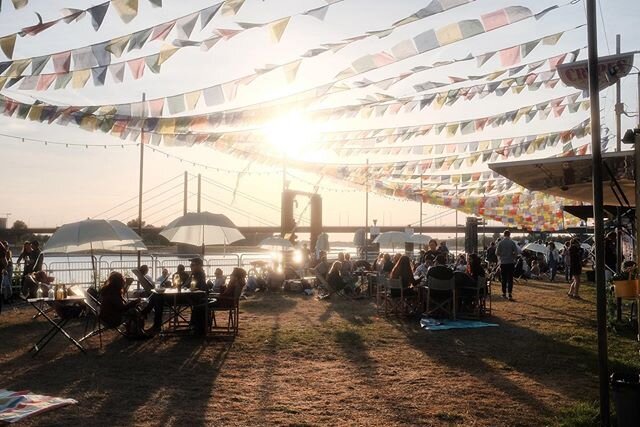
<point>300,361</point>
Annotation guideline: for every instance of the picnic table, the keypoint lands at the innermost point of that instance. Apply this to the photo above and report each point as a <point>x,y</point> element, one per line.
<point>178,303</point>
<point>65,311</point>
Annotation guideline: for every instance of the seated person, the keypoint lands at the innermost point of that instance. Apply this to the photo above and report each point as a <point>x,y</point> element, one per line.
<point>322,268</point>
<point>180,277</point>
<point>219,280</point>
<point>535,269</point>
<point>198,278</point>
<point>347,269</point>
<point>226,299</point>
<point>387,264</point>
<point>144,270</point>
<point>164,280</point>
<point>32,281</point>
<point>335,283</point>
<point>461,264</point>
<point>440,269</point>
<point>114,310</point>
<point>474,272</point>
<point>237,281</point>
<point>403,271</point>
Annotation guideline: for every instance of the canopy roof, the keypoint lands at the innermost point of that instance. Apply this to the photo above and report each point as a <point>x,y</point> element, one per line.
<point>570,177</point>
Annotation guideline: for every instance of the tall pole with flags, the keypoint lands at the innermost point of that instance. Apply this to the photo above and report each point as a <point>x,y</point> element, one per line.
<point>141,174</point>
<point>598,202</point>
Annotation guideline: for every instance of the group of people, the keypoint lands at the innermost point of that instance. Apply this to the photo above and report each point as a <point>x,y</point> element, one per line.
<point>32,272</point>
<point>336,277</point>
<point>116,309</point>
<point>434,262</point>
<point>508,260</point>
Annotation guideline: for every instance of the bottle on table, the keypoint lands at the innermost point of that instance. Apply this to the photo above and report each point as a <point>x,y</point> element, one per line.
<point>51,294</point>
<point>39,292</point>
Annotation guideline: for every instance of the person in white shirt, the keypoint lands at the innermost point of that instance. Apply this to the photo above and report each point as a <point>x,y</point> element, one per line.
<point>164,280</point>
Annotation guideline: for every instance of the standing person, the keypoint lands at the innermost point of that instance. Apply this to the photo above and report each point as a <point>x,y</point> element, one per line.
<point>507,251</point>
<point>25,256</point>
<point>553,260</point>
<point>567,261</point>
<point>432,249</point>
<point>610,256</point>
<point>36,256</point>
<point>575,256</point>
<point>492,259</point>
<point>6,273</point>
<point>443,249</point>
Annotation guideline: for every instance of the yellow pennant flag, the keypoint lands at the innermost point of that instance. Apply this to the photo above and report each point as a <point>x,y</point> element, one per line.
<point>127,9</point>
<point>166,51</point>
<point>277,28</point>
<point>7,44</point>
<point>80,78</point>
<point>192,99</point>
<point>231,7</point>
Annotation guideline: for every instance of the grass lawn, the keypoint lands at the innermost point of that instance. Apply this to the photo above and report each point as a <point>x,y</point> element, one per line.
<point>300,361</point>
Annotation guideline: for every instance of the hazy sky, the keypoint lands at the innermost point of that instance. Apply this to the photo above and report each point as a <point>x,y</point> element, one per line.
<point>50,185</point>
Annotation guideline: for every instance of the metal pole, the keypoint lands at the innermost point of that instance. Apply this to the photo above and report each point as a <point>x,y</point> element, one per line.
<point>186,194</point>
<point>421,199</point>
<point>199,191</point>
<point>141,175</point>
<point>456,219</point>
<point>601,295</point>
<point>618,108</point>
<point>366,213</point>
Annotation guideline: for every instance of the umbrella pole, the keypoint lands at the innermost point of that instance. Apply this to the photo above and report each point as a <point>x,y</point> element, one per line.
<point>93,266</point>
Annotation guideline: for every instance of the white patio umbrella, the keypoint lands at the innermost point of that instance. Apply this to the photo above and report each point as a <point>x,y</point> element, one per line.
<point>202,228</point>
<point>420,239</point>
<point>94,235</point>
<point>536,247</point>
<point>275,243</point>
<point>392,238</point>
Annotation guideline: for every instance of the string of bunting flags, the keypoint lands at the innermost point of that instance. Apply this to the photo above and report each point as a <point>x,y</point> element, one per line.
<point>127,10</point>
<point>96,60</point>
<point>188,101</point>
<point>426,163</point>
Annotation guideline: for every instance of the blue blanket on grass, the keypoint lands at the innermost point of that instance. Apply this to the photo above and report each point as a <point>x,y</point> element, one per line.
<point>441,325</point>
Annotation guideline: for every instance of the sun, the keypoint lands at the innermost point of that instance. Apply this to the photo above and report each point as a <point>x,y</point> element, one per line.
<point>290,133</point>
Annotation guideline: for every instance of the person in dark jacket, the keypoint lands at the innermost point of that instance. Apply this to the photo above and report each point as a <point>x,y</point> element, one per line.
<point>575,260</point>
<point>114,310</point>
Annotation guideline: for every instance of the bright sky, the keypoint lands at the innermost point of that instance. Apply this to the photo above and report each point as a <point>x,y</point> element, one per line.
<point>50,185</point>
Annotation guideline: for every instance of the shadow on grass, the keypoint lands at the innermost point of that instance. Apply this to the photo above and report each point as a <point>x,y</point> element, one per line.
<point>268,303</point>
<point>355,350</point>
<point>556,364</point>
<point>155,381</point>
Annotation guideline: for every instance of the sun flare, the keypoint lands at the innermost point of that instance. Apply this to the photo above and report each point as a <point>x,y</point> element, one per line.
<point>290,133</point>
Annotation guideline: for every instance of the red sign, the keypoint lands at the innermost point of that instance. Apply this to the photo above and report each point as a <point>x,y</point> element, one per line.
<point>610,70</point>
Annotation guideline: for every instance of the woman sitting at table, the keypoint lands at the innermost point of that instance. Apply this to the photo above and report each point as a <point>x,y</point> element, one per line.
<point>237,281</point>
<point>198,279</point>
<point>335,281</point>
<point>403,271</point>
<point>180,277</point>
<point>114,310</point>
